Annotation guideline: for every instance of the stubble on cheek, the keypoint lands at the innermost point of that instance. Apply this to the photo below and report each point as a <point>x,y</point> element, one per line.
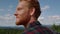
<point>20,20</point>
<point>17,21</point>
<point>23,18</point>
<point>19,17</point>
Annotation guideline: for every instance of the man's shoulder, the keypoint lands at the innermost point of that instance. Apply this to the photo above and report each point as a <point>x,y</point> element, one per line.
<point>39,29</point>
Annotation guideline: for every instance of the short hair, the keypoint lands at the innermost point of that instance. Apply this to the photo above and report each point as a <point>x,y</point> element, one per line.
<point>36,5</point>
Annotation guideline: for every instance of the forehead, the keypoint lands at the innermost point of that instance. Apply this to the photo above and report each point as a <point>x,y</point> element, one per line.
<point>22,4</point>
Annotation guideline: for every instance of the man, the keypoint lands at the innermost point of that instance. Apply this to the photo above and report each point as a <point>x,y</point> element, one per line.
<point>27,13</point>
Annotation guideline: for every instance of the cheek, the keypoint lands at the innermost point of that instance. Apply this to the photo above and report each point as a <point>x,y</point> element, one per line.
<point>20,12</point>
<point>23,14</point>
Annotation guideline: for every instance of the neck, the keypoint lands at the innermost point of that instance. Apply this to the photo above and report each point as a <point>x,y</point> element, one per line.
<point>31,21</point>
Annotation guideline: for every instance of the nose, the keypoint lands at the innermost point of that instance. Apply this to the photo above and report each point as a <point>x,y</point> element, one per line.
<point>15,14</point>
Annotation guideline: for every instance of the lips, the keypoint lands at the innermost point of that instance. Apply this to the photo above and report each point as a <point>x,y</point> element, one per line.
<point>17,17</point>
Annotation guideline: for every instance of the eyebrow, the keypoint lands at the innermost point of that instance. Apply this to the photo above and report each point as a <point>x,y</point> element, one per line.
<point>19,8</point>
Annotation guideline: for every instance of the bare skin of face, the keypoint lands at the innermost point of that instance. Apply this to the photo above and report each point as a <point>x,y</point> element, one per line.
<point>23,14</point>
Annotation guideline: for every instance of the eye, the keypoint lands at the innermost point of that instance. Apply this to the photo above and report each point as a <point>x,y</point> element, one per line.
<point>19,9</point>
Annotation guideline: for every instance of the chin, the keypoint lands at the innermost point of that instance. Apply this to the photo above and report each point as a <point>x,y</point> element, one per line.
<point>19,23</point>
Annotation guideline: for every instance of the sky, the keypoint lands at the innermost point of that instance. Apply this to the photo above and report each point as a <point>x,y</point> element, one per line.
<point>50,12</point>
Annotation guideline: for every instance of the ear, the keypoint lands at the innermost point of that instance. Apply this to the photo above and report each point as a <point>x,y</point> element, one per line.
<point>32,11</point>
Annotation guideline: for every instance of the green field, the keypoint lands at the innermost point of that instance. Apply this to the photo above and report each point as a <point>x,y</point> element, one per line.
<point>10,31</point>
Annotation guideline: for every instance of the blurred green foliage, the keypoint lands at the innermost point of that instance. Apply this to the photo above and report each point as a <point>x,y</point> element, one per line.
<point>56,27</point>
<point>10,31</point>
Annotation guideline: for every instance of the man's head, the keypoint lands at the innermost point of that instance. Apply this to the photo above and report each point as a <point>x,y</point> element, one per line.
<point>25,10</point>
